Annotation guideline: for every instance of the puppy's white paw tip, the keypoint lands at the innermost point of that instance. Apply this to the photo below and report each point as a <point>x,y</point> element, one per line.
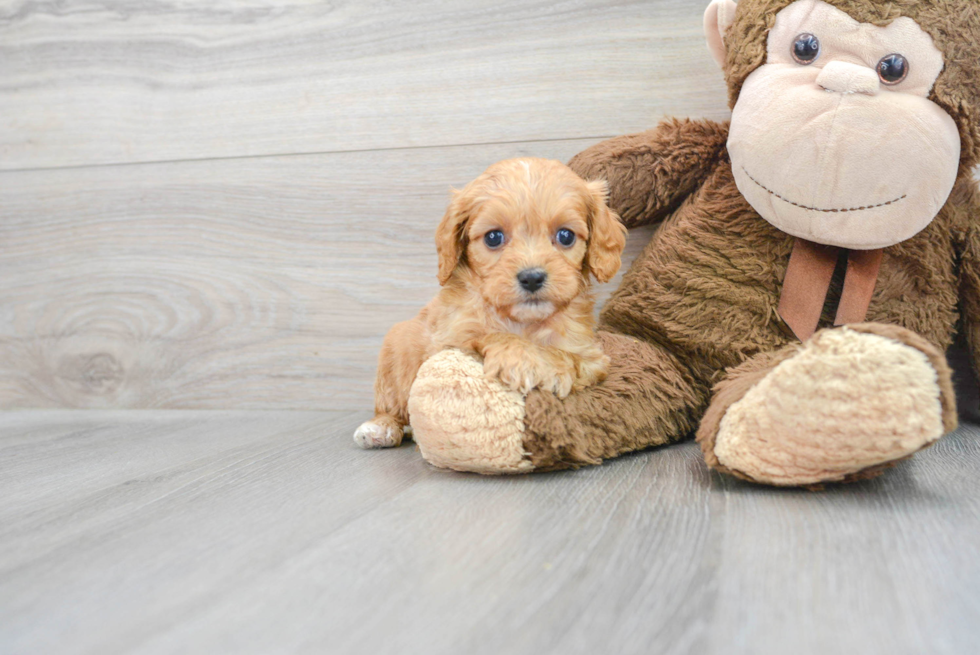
<point>371,435</point>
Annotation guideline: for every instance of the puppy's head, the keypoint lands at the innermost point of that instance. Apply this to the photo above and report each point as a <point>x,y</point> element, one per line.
<point>531,231</point>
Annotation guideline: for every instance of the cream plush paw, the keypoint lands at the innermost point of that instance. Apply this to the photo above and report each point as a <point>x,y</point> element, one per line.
<point>849,401</point>
<point>463,420</point>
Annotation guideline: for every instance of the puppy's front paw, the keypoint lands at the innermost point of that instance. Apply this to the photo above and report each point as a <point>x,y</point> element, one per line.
<point>558,382</point>
<point>497,365</point>
<point>591,370</point>
<point>378,434</point>
<point>523,369</point>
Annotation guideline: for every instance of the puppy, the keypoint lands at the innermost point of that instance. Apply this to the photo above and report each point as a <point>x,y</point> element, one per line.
<point>516,247</point>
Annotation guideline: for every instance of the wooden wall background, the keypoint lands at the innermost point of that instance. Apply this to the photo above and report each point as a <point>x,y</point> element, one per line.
<point>225,204</point>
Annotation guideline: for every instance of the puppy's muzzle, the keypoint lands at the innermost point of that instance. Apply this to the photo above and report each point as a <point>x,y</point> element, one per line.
<point>532,279</point>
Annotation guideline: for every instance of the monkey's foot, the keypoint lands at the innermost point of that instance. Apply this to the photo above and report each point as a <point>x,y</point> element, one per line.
<point>844,406</point>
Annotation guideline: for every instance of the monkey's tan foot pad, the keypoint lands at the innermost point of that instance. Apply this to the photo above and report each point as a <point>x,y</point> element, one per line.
<point>845,405</point>
<point>463,421</point>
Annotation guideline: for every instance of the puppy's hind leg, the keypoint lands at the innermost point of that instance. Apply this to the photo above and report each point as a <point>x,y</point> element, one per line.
<point>401,356</point>
<point>380,432</point>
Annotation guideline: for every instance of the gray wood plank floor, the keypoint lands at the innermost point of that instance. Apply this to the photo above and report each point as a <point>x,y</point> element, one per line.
<point>269,532</point>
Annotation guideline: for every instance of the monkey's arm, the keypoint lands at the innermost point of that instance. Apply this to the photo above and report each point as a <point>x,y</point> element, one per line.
<point>966,201</point>
<point>650,173</point>
<point>649,398</point>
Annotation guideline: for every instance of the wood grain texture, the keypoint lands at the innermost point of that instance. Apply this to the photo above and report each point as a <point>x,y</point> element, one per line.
<point>259,532</point>
<point>113,81</point>
<point>252,283</point>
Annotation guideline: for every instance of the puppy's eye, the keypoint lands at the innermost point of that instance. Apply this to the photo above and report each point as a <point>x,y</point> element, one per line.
<point>493,239</point>
<point>806,49</point>
<point>565,237</point>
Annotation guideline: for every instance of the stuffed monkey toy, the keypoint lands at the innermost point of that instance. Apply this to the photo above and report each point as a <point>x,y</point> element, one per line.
<point>813,259</point>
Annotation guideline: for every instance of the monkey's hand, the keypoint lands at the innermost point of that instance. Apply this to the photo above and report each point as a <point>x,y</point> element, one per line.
<point>650,173</point>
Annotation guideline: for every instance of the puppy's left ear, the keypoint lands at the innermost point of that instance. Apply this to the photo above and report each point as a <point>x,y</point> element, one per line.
<point>451,234</point>
<point>607,235</point>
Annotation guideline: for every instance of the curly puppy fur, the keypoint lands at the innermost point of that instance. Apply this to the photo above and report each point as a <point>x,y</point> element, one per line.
<point>528,338</point>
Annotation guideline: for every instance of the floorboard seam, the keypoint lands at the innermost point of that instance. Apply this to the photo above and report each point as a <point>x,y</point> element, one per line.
<point>297,154</point>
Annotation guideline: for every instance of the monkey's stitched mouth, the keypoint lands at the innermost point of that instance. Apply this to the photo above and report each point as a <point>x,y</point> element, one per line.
<point>818,209</point>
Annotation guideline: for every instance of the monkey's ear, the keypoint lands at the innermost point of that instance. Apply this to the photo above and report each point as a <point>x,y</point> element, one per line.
<point>451,234</point>
<point>717,19</point>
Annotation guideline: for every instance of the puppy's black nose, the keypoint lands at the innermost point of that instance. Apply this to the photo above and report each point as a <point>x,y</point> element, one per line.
<point>532,279</point>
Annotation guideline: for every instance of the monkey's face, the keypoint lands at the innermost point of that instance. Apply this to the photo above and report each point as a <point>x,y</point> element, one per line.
<point>834,138</point>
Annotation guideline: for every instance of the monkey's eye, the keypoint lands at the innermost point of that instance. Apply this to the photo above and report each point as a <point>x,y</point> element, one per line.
<point>806,49</point>
<point>893,69</point>
<point>493,239</point>
<point>565,237</point>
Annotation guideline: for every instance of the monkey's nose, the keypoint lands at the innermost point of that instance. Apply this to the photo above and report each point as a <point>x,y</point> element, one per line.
<point>843,77</point>
<point>532,279</point>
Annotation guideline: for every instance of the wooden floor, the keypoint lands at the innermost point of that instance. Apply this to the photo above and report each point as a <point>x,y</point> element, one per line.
<point>269,532</point>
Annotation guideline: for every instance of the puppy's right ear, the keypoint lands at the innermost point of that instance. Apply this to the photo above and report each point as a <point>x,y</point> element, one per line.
<point>451,235</point>
<point>607,235</point>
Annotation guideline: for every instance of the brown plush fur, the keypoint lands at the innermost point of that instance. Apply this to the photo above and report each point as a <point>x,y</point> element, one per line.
<point>647,399</point>
<point>966,204</point>
<point>528,339</point>
<point>701,299</point>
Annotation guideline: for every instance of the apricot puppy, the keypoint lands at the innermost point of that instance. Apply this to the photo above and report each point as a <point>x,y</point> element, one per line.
<point>516,247</point>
